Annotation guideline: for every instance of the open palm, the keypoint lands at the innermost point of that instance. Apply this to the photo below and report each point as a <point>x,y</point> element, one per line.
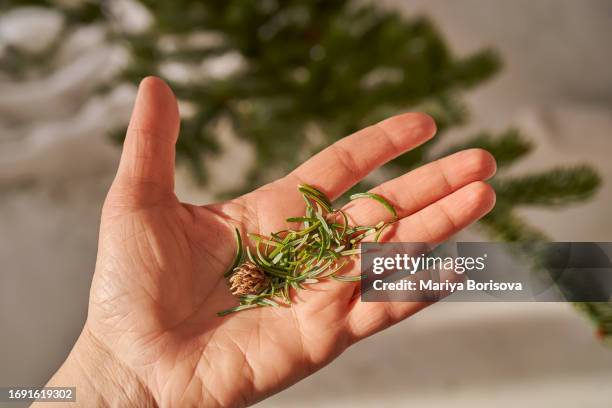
<point>159,280</point>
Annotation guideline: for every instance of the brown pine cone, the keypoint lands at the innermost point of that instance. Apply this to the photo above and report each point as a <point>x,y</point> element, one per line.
<point>248,279</point>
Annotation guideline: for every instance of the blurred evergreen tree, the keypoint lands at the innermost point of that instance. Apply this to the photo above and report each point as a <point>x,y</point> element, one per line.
<point>283,70</point>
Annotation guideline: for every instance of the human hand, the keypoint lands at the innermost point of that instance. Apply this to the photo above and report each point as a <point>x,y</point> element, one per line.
<point>152,335</point>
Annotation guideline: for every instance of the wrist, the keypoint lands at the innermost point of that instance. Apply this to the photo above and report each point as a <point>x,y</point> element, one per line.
<point>99,377</point>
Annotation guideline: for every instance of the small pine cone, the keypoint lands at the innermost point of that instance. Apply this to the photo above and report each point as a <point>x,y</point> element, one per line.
<point>248,279</point>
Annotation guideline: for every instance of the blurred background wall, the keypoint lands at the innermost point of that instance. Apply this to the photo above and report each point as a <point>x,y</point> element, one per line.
<point>57,161</point>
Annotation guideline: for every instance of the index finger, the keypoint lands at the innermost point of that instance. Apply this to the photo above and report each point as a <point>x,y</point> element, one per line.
<point>343,164</point>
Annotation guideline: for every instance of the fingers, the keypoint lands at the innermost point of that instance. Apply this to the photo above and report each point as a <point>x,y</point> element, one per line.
<point>433,224</point>
<point>415,191</point>
<point>146,169</point>
<point>444,218</point>
<point>424,185</point>
<point>341,165</point>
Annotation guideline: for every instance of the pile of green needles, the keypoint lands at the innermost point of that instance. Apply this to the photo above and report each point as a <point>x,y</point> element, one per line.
<point>293,258</point>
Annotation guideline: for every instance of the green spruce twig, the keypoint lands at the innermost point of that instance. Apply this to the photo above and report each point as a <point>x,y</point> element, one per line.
<point>296,258</point>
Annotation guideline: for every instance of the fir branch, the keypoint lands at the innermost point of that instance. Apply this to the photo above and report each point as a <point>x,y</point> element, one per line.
<point>297,257</point>
<point>504,225</point>
<point>556,187</point>
<point>507,148</point>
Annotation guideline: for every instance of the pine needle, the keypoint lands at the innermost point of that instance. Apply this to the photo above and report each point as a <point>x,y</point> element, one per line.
<point>315,251</point>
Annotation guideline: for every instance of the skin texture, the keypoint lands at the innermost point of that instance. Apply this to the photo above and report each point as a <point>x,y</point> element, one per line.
<point>152,336</point>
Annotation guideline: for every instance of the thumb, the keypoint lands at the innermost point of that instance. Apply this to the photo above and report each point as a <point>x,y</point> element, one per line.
<point>146,169</point>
